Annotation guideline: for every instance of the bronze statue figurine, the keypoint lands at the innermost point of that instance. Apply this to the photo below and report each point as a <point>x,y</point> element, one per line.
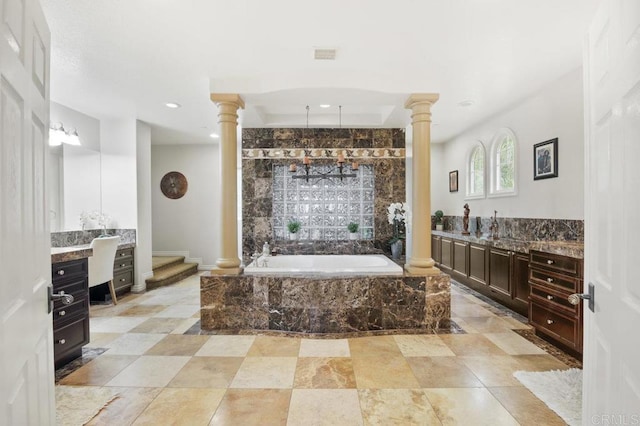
<point>465,220</point>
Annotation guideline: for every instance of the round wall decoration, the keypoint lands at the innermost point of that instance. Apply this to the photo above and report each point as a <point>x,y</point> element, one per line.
<point>174,185</point>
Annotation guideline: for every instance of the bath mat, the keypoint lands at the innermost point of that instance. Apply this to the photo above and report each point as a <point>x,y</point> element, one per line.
<point>77,405</point>
<point>560,390</point>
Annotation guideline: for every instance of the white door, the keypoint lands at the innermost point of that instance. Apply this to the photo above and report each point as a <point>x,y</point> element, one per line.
<point>612,237</point>
<point>26,338</point>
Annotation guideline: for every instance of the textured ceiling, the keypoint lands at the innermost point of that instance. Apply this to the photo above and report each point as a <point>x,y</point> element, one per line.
<point>127,58</point>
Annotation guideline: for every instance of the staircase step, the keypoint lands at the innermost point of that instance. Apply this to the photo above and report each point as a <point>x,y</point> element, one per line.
<point>171,274</point>
<point>158,262</point>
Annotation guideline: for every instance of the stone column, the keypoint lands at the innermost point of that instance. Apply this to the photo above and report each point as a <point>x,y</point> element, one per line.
<point>421,262</point>
<point>228,263</point>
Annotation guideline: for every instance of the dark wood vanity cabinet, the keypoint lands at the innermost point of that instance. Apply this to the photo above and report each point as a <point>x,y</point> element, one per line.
<point>123,271</point>
<point>446,254</point>
<point>436,248</point>
<point>552,279</point>
<point>478,264</point>
<point>70,322</point>
<point>461,258</point>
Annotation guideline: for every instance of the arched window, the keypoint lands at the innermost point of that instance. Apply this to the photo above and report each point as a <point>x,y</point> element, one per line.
<point>476,171</point>
<point>503,163</point>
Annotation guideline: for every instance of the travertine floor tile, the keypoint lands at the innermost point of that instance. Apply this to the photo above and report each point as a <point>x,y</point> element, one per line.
<point>470,310</point>
<point>514,344</point>
<point>324,373</point>
<point>150,371</point>
<point>422,345</point>
<point>178,311</point>
<point>324,348</point>
<point>253,407</point>
<point>384,372</point>
<point>492,324</point>
<point>176,344</point>
<point>226,346</point>
<point>99,371</point>
<point>396,407</point>
<point>265,373</point>
<point>515,324</point>
<point>99,340</point>
<point>374,346</point>
<point>114,324</point>
<point>540,362</point>
<point>188,407</point>
<point>207,372</point>
<point>142,311</point>
<point>98,311</point>
<point>274,346</point>
<point>158,325</point>
<point>471,345</point>
<point>443,372</point>
<point>465,326</point>
<point>465,406</point>
<point>186,324</point>
<point>133,343</point>
<point>494,370</point>
<point>525,407</point>
<point>331,407</point>
<point>126,407</point>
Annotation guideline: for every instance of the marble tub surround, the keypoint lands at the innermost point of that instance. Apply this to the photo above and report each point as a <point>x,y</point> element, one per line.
<point>317,304</point>
<point>525,229</point>
<point>573,249</point>
<point>78,238</point>
<point>383,149</point>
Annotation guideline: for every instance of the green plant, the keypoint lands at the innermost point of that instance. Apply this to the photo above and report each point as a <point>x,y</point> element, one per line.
<point>294,226</point>
<point>439,215</point>
<point>353,227</point>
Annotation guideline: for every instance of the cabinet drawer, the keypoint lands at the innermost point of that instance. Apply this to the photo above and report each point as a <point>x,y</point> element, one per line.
<point>554,299</point>
<point>128,252</point>
<point>123,279</point>
<point>122,263</point>
<point>68,270</point>
<point>71,336</point>
<point>551,279</point>
<point>556,262</point>
<point>63,313</point>
<point>562,328</point>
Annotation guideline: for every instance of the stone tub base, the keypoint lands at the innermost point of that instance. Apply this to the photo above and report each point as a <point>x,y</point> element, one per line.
<point>320,305</point>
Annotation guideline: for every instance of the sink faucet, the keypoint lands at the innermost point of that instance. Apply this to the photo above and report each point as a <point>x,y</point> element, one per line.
<point>494,226</point>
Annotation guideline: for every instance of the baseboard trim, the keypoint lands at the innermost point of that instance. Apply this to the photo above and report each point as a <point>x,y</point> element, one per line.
<point>205,267</point>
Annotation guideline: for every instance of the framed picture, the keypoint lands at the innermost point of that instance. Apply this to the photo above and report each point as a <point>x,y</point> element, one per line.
<point>453,181</point>
<point>545,159</point>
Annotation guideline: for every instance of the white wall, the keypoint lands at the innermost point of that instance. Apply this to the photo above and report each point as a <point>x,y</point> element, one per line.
<point>143,264</point>
<point>555,111</point>
<point>119,189</point>
<point>191,223</point>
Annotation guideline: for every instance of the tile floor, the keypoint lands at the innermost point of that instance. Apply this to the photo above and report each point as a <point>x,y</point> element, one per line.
<point>166,377</point>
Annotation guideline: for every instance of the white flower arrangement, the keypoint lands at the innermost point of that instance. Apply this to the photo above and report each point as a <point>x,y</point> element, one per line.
<point>102,219</point>
<point>396,212</point>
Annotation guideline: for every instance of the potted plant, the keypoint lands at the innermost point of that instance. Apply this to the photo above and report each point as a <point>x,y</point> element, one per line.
<point>293,226</point>
<point>396,215</point>
<point>439,223</point>
<point>353,230</point>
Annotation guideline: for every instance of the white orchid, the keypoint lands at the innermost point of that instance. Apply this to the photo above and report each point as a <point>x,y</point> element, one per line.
<point>396,212</point>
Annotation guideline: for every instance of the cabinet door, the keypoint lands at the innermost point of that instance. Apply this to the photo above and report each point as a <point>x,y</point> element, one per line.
<point>520,283</point>
<point>478,263</point>
<point>460,250</point>
<point>447,253</point>
<point>500,271</point>
<point>436,249</point>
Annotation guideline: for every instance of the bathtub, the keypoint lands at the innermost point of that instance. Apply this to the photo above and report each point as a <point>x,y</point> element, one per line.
<point>332,265</point>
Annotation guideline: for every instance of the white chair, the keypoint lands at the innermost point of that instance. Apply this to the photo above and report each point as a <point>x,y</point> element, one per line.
<point>101,263</point>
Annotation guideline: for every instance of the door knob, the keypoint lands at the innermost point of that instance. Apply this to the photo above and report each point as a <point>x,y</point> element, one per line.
<point>575,298</point>
<point>66,299</point>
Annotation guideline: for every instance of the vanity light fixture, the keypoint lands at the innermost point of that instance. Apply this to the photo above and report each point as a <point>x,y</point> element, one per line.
<point>58,135</point>
<point>214,136</point>
<point>172,105</point>
<point>325,106</point>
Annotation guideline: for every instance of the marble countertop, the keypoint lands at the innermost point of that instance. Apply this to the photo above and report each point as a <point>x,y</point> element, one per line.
<point>65,254</point>
<point>573,249</point>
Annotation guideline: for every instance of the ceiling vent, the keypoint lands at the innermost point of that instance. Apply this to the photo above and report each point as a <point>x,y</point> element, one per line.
<point>324,54</point>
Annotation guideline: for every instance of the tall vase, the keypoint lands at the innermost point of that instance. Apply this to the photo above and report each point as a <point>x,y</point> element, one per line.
<point>396,250</point>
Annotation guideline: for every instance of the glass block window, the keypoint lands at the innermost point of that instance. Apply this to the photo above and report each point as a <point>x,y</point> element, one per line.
<point>324,207</point>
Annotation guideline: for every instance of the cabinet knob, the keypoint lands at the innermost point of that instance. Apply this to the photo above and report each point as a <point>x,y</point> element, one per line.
<point>61,272</point>
<point>550,297</point>
<point>122,265</point>
<point>62,341</point>
<point>62,313</point>
<point>550,280</point>
<point>549,321</point>
<point>550,262</point>
<point>122,279</point>
<point>121,254</point>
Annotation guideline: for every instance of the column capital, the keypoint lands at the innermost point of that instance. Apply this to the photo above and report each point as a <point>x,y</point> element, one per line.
<point>421,98</point>
<point>227,98</point>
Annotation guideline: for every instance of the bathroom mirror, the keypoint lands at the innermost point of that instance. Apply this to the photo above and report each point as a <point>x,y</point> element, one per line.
<point>74,186</point>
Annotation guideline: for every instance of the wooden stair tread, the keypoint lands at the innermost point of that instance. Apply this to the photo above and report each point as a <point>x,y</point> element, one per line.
<point>171,270</point>
<point>158,262</point>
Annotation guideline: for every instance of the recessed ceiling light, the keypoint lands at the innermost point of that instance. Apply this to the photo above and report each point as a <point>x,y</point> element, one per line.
<point>466,103</point>
<point>214,135</point>
<point>325,106</point>
<point>172,105</point>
